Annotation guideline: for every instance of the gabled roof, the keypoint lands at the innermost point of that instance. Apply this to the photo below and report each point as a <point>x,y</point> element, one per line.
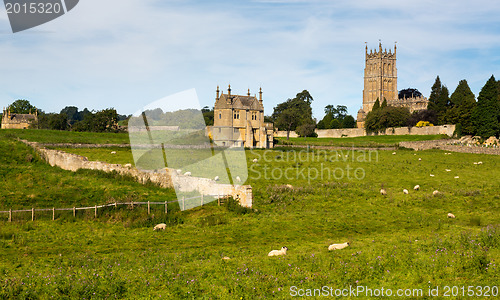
<point>238,102</point>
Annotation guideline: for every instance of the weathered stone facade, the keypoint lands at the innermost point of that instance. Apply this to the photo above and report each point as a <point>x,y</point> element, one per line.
<point>381,82</point>
<point>239,121</point>
<point>18,121</point>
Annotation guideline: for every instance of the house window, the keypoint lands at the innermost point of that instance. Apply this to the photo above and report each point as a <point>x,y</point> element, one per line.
<point>220,116</point>
<point>237,115</point>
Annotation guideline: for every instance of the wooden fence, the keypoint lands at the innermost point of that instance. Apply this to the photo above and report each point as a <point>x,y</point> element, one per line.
<point>181,202</point>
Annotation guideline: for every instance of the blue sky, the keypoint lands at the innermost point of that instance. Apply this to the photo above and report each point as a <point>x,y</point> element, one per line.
<point>126,54</point>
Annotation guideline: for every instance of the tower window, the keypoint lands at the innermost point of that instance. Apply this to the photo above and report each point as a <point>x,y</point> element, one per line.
<point>220,116</point>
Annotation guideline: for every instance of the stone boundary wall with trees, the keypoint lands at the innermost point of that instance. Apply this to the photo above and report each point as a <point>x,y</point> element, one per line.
<point>355,132</point>
<point>165,179</point>
<point>448,145</point>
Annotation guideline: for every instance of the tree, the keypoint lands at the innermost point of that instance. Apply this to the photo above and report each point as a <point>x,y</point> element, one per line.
<point>384,103</point>
<point>383,118</point>
<point>334,117</point>
<point>462,103</point>
<point>349,122</point>
<point>422,115</point>
<point>376,105</point>
<point>208,115</point>
<point>306,130</point>
<point>486,113</point>
<point>71,113</point>
<point>439,100</point>
<point>22,106</point>
<point>294,112</point>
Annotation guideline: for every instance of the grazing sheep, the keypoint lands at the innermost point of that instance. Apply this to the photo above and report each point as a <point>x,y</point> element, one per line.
<point>289,186</point>
<point>161,226</point>
<point>179,171</point>
<point>448,170</point>
<point>278,252</point>
<point>216,178</point>
<point>338,246</point>
<point>113,152</point>
<point>405,191</point>
<point>187,174</point>
<point>475,163</point>
<point>450,215</point>
<point>238,178</point>
<point>417,187</point>
<point>226,258</point>
<point>435,192</point>
<point>456,177</point>
<point>432,175</point>
<point>383,192</point>
<point>479,162</point>
<point>393,153</point>
<point>128,165</point>
<point>255,160</point>
<point>419,159</point>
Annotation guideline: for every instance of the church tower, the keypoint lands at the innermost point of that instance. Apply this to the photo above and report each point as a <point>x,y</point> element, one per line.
<point>381,78</point>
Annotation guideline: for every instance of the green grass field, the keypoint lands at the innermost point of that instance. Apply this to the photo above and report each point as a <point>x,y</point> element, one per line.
<point>397,241</point>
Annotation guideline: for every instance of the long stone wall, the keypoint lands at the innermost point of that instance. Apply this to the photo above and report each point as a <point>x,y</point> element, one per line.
<point>355,132</point>
<point>166,178</point>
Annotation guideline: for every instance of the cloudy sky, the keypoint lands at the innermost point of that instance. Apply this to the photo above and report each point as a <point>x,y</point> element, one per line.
<point>128,53</point>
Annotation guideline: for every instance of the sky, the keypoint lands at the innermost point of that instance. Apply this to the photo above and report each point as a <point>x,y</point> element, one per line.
<point>126,54</point>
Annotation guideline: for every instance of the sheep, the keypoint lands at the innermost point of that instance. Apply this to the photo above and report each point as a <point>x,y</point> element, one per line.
<point>456,177</point>
<point>161,226</point>
<point>226,258</point>
<point>383,192</point>
<point>113,152</point>
<point>255,160</point>
<point>448,170</point>
<point>238,178</point>
<point>278,252</point>
<point>179,171</point>
<point>475,163</point>
<point>289,186</point>
<point>435,192</point>
<point>432,175</point>
<point>417,187</point>
<point>338,246</point>
<point>450,215</point>
<point>128,165</point>
<point>419,159</point>
<point>187,174</point>
<point>393,153</point>
<point>405,191</point>
<point>216,178</point>
<point>479,162</point>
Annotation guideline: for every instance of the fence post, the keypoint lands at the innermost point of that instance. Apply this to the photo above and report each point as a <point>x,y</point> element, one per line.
<point>166,207</point>
<point>74,212</point>
<point>115,205</point>
<point>95,212</point>
<point>183,203</point>
<point>10,215</point>
<point>148,208</point>
<point>201,199</point>
<point>32,214</point>
<point>53,213</point>
<point>132,204</point>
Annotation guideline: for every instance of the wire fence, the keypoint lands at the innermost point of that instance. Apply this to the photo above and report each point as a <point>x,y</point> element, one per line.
<point>184,203</point>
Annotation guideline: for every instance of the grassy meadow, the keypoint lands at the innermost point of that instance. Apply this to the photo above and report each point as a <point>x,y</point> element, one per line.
<point>397,241</point>
<point>373,141</point>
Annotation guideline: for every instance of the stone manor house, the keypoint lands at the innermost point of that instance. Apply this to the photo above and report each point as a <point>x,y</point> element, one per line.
<point>18,121</point>
<point>381,82</point>
<point>239,121</point>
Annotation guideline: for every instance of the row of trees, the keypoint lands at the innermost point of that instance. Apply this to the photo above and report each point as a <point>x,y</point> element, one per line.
<point>70,118</point>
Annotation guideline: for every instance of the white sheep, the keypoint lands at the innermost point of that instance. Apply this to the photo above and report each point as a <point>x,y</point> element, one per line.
<point>179,171</point>
<point>238,178</point>
<point>435,192</point>
<point>383,192</point>
<point>113,152</point>
<point>475,163</point>
<point>278,252</point>
<point>405,191</point>
<point>432,175</point>
<point>128,165</point>
<point>456,177</point>
<point>226,258</point>
<point>448,170</point>
<point>450,215</point>
<point>417,187</point>
<point>216,178</point>
<point>419,159</point>
<point>161,226</point>
<point>338,246</point>
<point>479,162</point>
<point>187,174</point>
<point>289,186</point>
<point>393,153</point>
<point>255,160</point>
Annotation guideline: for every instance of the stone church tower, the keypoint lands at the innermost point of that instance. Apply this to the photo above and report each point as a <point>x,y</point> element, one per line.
<point>381,80</point>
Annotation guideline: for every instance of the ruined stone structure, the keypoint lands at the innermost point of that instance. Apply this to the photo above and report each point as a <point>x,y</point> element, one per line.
<point>18,121</point>
<point>239,121</point>
<point>381,82</point>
